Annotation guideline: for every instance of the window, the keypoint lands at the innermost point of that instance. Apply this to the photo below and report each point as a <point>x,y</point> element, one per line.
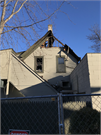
<point>60,64</point>
<point>3,84</point>
<point>39,64</point>
<point>60,60</point>
<point>66,84</point>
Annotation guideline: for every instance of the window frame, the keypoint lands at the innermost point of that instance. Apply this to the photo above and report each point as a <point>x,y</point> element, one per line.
<point>62,56</point>
<point>35,60</point>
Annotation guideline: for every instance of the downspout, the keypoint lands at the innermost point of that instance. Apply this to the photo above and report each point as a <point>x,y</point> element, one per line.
<point>8,76</point>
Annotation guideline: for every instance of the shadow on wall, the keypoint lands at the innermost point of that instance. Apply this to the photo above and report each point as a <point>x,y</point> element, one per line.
<point>43,89</point>
<point>96,100</point>
<point>14,92</point>
<point>58,79</point>
<point>38,90</point>
<point>61,83</point>
<point>96,90</point>
<point>3,94</point>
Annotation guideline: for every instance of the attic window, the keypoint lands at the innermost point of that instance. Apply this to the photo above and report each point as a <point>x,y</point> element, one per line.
<point>39,64</point>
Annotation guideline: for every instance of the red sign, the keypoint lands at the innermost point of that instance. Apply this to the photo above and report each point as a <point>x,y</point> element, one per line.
<point>19,132</point>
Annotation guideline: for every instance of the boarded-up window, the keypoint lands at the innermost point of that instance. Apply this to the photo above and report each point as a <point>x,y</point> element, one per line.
<point>61,65</point>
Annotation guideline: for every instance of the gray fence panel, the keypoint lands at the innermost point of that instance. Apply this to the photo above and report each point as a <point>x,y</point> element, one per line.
<point>52,114</point>
<point>39,116</point>
<point>82,113</point>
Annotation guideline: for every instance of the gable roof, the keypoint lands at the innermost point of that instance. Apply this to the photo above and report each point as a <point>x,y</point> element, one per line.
<point>49,34</point>
<point>36,45</point>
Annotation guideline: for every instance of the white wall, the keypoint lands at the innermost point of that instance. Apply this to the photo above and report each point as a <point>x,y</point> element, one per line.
<point>89,78</point>
<point>4,63</point>
<point>49,55</point>
<point>94,66</point>
<point>89,74</point>
<point>26,82</point>
<point>80,77</point>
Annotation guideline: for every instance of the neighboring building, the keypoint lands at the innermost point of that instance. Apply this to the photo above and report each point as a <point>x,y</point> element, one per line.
<point>44,69</point>
<point>86,77</point>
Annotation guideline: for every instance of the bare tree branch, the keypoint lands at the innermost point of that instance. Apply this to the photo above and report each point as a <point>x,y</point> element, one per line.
<point>8,2</point>
<point>21,18</point>
<point>67,16</point>
<point>30,16</point>
<point>1,1</point>
<point>4,10</point>
<point>13,13</point>
<point>96,38</point>
<point>33,23</point>
<point>14,6</point>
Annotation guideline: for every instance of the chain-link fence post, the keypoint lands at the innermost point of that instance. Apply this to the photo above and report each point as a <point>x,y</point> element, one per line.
<point>62,114</point>
<point>59,114</point>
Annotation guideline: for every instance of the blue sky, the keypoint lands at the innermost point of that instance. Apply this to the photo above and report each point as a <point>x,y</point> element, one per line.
<point>72,29</point>
<point>83,16</point>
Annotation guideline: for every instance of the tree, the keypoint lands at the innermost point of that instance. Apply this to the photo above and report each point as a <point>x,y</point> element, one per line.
<point>96,38</point>
<point>20,18</point>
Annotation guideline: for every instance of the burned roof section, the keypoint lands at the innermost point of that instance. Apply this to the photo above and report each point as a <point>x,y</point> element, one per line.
<point>37,44</point>
<point>47,41</point>
<point>69,50</point>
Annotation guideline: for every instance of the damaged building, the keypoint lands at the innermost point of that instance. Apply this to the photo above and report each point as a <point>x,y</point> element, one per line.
<point>43,69</point>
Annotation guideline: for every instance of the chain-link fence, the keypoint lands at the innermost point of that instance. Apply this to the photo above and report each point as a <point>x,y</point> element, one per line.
<point>81,114</point>
<point>39,115</point>
<point>56,114</point>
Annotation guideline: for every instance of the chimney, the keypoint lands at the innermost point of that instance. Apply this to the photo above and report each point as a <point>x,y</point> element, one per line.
<point>50,27</point>
<point>50,40</point>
